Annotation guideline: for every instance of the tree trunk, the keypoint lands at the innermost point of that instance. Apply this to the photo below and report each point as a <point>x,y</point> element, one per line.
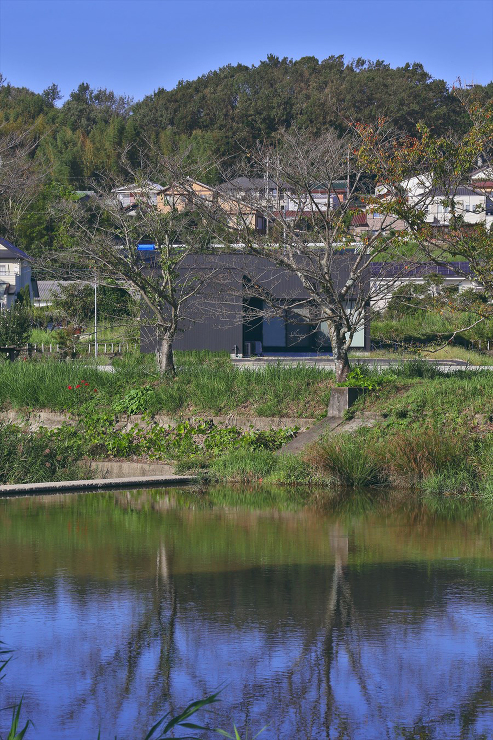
<point>165,359</point>
<point>340,353</point>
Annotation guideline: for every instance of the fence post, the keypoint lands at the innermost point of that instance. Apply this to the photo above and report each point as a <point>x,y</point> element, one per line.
<point>112,346</point>
<point>50,348</point>
<point>42,348</point>
<point>105,348</point>
<point>120,348</point>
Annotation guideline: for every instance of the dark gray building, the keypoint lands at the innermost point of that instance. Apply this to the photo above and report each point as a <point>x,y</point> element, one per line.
<point>251,306</point>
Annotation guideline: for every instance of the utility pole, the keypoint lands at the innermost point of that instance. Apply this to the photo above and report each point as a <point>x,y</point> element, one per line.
<point>267,196</point>
<point>347,185</point>
<point>95,314</point>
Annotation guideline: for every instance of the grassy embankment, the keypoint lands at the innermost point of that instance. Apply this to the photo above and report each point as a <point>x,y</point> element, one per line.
<point>435,431</point>
<point>426,332</point>
<point>206,385</point>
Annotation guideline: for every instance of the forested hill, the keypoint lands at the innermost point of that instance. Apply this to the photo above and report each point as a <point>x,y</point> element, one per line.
<point>239,103</point>
<point>223,109</point>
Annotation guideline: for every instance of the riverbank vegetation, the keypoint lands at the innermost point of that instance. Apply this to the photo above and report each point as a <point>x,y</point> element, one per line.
<point>433,431</point>
<point>37,457</point>
<point>206,383</point>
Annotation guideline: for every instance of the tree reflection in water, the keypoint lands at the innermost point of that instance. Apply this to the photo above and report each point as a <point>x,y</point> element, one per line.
<point>361,623</point>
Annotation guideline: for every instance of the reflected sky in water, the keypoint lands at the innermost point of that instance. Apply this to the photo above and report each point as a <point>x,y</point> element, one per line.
<point>333,619</point>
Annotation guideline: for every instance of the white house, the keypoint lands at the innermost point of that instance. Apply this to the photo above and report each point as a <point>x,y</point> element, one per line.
<point>15,273</point>
<point>128,195</point>
<point>482,179</point>
<point>474,206</point>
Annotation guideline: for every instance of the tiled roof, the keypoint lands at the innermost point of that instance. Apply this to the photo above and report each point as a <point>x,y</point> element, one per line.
<point>359,219</point>
<point>393,269</point>
<point>455,192</point>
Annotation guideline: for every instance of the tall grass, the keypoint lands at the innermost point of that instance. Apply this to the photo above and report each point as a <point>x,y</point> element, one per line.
<point>247,466</point>
<point>244,465</point>
<point>205,383</point>
<point>36,457</point>
<point>348,460</point>
<point>419,453</point>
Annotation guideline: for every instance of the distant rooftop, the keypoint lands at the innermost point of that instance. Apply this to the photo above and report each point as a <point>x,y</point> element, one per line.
<point>135,188</point>
<point>251,183</point>
<point>9,251</point>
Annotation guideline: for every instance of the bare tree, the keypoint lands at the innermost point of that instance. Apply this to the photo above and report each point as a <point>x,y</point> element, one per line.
<point>434,184</point>
<point>310,227</point>
<point>151,253</point>
<point>20,180</point>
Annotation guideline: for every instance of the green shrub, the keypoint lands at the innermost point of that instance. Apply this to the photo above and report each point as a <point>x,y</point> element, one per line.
<point>15,326</point>
<point>362,377</point>
<point>136,401</point>
<point>349,460</point>
<point>244,465</point>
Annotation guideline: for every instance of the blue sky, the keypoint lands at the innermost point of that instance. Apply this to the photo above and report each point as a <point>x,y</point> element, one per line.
<point>137,46</point>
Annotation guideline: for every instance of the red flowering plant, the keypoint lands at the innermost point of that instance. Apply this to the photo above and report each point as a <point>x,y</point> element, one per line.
<point>82,386</point>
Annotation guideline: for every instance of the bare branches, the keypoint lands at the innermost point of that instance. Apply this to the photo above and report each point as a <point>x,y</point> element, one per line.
<point>311,198</point>
<point>20,179</point>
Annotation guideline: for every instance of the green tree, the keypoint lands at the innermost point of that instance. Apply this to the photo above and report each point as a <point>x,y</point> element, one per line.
<point>106,237</point>
<point>15,326</point>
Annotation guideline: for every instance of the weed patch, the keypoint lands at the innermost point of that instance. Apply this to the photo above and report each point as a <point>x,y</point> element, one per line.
<point>348,460</point>
<point>244,465</point>
<point>36,457</point>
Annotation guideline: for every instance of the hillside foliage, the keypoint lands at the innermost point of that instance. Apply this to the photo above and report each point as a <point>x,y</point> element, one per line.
<point>217,117</point>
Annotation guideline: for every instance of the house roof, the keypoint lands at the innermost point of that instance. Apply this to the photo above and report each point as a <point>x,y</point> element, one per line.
<point>480,184</point>
<point>486,168</point>
<point>456,191</point>
<point>251,183</point>
<point>134,187</point>
<point>50,289</point>
<point>359,219</point>
<point>413,270</point>
<point>10,252</point>
<point>177,185</point>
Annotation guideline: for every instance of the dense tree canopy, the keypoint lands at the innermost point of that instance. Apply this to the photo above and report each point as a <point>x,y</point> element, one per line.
<point>216,117</point>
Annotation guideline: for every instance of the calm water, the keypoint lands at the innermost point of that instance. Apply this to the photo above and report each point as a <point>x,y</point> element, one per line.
<point>358,620</point>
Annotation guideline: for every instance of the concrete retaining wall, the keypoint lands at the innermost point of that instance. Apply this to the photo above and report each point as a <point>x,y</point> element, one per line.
<point>129,469</point>
<point>34,420</point>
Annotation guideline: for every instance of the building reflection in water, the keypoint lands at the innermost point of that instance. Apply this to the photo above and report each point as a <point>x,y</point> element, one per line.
<point>320,625</point>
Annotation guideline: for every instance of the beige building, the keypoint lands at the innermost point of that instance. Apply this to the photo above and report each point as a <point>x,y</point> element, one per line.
<point>196,195</point>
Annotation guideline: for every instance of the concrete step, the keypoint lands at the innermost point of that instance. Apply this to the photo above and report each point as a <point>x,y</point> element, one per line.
<point>330,425</point>
<point>311,435</point>
<point>67,486</point>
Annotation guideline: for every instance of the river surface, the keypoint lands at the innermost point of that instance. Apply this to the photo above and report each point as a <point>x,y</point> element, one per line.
<point>360,618</point>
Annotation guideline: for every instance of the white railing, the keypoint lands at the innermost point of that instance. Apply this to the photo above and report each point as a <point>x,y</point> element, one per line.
<point>104,348</point>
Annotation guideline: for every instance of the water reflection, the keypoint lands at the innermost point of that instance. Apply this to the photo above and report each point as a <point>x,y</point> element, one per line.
<point>353,618</point>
